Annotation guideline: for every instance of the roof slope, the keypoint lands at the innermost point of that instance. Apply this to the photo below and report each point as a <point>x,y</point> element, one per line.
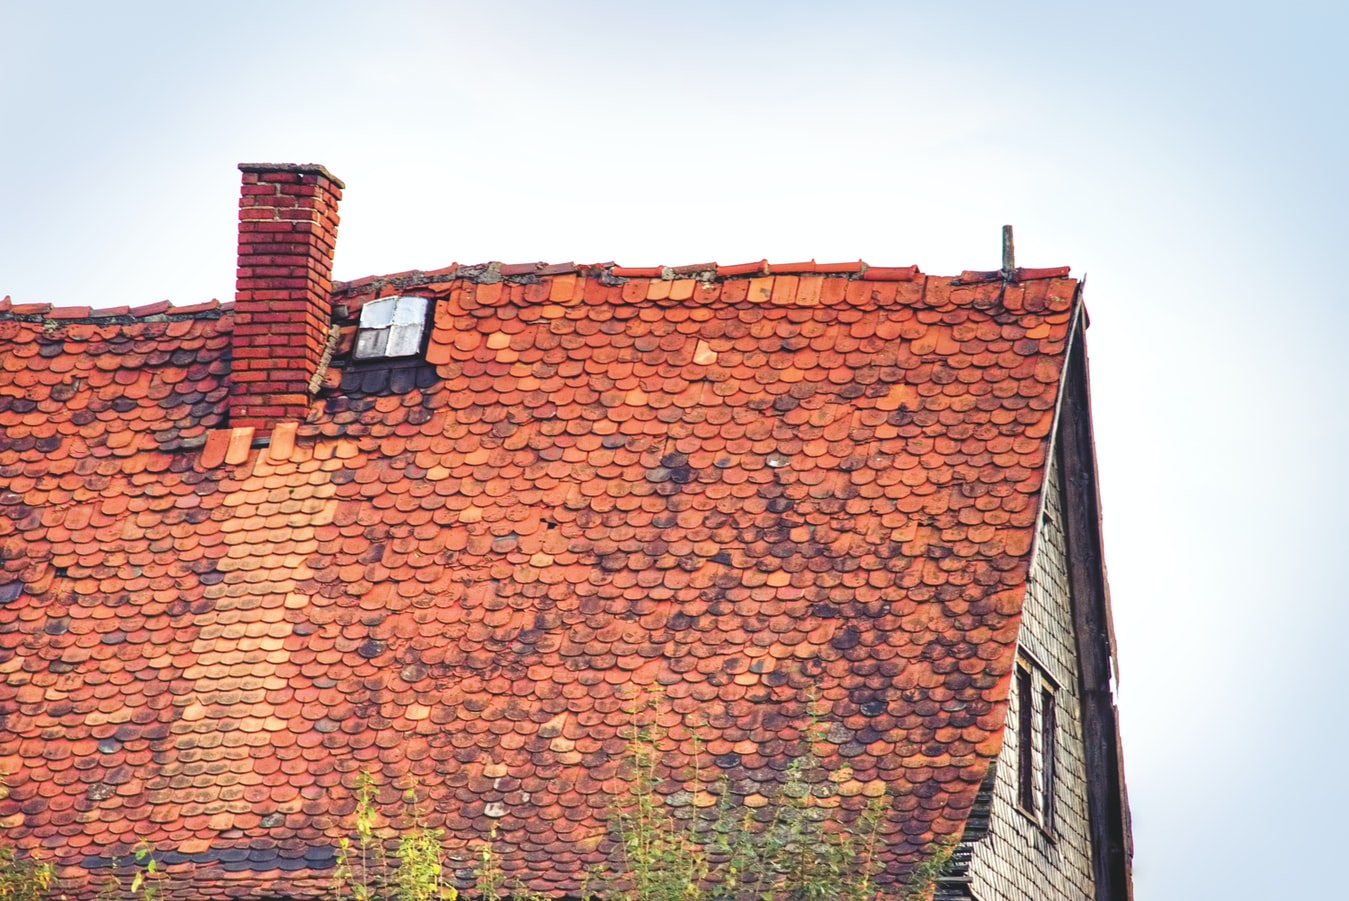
<point>759,501</point>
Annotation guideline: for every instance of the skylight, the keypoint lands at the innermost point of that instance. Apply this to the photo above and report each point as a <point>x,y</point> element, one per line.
<point>391,327</point>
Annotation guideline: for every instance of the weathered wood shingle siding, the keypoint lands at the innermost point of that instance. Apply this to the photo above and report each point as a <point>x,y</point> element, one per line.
<point>1018,859</point>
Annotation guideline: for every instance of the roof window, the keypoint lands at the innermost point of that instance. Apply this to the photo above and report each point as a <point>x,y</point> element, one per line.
<point>391,327</point>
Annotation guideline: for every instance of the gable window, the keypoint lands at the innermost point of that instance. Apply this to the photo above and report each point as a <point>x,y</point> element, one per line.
<point>1025,735</point>
<point>1036,742</point>
<point>391,327</point>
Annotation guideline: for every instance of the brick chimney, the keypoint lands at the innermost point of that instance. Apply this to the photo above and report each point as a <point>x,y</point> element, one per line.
<point>282,307</point>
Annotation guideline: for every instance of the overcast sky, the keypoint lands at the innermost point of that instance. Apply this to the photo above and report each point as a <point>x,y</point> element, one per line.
<point>1191,157</point>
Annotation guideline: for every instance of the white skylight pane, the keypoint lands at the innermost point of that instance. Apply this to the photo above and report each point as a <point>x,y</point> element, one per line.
<point>410,310</point>
<point>404,339</point>
<point>378,313</point>
<point>391,327</point>
<point>370,343</point>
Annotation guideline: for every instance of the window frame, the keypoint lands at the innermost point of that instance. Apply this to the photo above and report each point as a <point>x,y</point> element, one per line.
<point>423,337</point>
<point>1025,737</point>
<point>1038,739</point>
<point>1049,762</point>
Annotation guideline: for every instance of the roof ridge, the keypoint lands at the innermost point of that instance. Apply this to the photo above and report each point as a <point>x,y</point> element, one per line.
<point>119,315</point>
<point>491,272</point>
<point>1019,274</point>
<point>496,271</point>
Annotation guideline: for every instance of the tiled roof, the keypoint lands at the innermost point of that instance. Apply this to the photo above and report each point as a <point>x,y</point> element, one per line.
<point>776,502</point>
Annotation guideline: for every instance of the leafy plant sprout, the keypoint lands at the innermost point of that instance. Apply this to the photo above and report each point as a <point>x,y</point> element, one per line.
<point>794,844</point>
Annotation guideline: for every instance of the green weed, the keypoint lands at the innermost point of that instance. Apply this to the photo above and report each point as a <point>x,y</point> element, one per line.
<point>922,880</point>
<point>146,882</point>
<point>22,878</point>
<point>363,871</point>
<point>797,847</point>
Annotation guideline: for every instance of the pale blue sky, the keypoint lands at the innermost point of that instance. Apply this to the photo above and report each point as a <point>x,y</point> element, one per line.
<point>1191,157</point>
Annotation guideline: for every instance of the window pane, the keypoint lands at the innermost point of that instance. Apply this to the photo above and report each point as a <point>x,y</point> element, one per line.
<point>1048,744</point>
<point>404,340</point>
<point>370,343</point>
<point>1025,735</point>
<point>378,313</point>
<point>410,310</point>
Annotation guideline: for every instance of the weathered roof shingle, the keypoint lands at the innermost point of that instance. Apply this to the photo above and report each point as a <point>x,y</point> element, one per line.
<point>783,505</point>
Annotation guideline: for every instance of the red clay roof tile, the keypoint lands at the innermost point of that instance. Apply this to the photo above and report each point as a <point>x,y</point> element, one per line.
<point>151,309</point>
<point>778,506</point>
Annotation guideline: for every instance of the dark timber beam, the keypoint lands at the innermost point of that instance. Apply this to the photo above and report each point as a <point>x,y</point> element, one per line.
<point>1108,804</point>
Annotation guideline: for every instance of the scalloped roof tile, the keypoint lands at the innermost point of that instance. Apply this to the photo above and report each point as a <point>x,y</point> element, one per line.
<point>780,504</point>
